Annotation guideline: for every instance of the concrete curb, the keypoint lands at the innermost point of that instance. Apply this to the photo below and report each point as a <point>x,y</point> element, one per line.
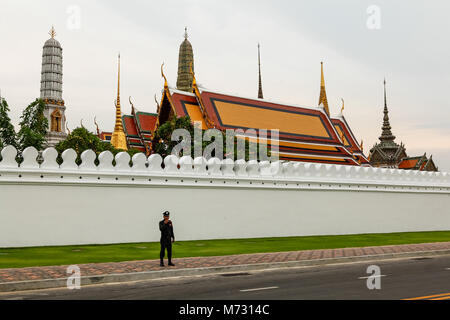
<point>151,275</point>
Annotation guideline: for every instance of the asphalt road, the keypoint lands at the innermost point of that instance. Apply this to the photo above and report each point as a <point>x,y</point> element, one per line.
<point>400,279</point>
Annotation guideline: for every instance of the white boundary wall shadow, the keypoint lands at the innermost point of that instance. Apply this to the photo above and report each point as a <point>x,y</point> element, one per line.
<point>50,204</point>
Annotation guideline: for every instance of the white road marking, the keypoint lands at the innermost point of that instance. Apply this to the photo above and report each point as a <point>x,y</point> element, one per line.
<point>375,276</point>
<point>258,289</point>
<point>447,268</point>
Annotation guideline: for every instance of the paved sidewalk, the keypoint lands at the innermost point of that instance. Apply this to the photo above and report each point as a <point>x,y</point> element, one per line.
<point>36,274</point>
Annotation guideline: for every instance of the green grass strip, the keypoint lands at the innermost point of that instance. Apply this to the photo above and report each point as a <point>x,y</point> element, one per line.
<point>68,255</point>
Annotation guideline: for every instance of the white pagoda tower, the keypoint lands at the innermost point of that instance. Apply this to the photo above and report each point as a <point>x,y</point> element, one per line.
<point>51,90</point>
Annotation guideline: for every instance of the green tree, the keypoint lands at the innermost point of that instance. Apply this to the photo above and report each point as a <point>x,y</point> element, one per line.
<point>163,144</point>
<point>33,127</point>
<point>81,139</point>
<point>7,132</point>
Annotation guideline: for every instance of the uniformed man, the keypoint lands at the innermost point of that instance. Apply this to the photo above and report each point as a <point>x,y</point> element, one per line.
<point>167,237</point>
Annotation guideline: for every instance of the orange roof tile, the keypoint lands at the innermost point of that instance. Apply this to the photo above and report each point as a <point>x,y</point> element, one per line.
<point>146,121</point>
<point>408,163</point>
<point>129,126</point>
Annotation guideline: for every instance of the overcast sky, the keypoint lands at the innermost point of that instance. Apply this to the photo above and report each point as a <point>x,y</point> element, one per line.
<point>410,48</point>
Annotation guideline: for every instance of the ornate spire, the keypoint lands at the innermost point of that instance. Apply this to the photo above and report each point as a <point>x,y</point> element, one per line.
<point>52,32</point>
<point>323,94</point>
<point>118,139</point>
<point>118,83</point>
<point>52,71</point>
<point>260,91</point>
<point>386,134</point>
<point>185,59</point>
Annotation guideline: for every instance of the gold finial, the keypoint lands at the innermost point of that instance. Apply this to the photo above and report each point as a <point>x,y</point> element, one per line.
<point>323,94</point>
<point>362,145</point>
<point>118,82</point>
<point>343,106</point>
<point>81,123</point>
<point>52,32</point>
<point>322,77</point>
<point>185,33</point>
<point>166,85</point>
<point>67,127</point>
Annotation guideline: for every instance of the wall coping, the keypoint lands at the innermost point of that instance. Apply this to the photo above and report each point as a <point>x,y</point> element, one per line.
<point>212,173</point>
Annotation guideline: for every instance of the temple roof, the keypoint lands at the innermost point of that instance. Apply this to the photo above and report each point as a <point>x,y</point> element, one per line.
<point>130,126</point>
<point>105,136</point>
<point>146,121</point>
<point>409,163</point>
<point>421,163</point>
<point>139,128</point>
<point>306,133</point>
<point>348,138</point>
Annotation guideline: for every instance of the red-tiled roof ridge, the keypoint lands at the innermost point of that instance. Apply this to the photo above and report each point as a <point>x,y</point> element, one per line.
<point>412,158</point>
<point>172,91</point>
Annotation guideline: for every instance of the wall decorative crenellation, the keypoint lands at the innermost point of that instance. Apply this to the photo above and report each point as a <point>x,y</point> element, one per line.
<point>209,173</point>
<point>44,203</point>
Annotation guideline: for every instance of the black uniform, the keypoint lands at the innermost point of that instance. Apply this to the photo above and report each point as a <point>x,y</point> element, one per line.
<point>166,240</point>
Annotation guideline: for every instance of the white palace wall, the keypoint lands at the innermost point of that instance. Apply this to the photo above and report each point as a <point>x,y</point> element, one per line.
<point>51,204</point>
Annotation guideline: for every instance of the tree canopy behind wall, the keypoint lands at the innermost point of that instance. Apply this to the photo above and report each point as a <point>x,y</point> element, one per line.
<point>7,132</point>
<point>33,126</point>
<point>163,144</point>
<point>81,139</point>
